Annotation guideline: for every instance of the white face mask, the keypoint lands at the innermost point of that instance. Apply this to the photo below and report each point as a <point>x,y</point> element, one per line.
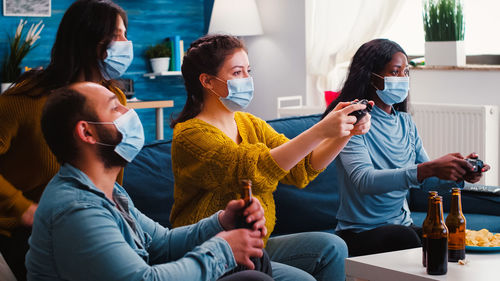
<point>130,126</point>
<point>395,89</point>
<point>119,57</point>
<point>240,93</point>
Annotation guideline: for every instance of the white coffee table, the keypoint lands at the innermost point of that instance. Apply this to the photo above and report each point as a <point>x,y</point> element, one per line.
<point>407,265</point>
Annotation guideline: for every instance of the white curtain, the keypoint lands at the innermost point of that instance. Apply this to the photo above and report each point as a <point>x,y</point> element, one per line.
<point>334,31</point>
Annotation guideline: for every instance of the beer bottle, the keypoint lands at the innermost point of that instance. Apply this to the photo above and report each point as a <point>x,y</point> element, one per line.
<point>437,240</point>
<point>455,221</point>
<point>246,195</point>
<point>426,226</point>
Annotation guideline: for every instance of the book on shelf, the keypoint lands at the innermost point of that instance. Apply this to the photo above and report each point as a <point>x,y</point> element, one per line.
<point>181,47</point>
<point>177,47</point>
<point>171,66</point>
<point>177,53</point>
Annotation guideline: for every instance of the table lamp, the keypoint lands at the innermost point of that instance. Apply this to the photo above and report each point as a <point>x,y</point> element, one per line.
<point>235,17</point>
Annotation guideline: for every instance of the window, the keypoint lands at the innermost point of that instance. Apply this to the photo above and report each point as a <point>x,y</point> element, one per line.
<point>481,27</point>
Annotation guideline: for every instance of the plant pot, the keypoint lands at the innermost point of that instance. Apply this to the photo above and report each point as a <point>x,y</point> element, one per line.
<point>445,53</point>
<point>160,64</point>
<point>5,86</point>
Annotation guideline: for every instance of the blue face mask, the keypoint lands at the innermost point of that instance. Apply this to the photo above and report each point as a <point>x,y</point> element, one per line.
<point>130,126</point>
<point>395,89</point>
<point>240,93</point>
<point>118,59</point>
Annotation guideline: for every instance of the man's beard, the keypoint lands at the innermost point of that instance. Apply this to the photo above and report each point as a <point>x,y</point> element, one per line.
<point>107,154</point>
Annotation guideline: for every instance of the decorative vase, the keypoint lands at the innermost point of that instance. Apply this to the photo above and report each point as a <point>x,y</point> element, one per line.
<point>160,64</point>
<point>450,53</point>
<point>5,86</point>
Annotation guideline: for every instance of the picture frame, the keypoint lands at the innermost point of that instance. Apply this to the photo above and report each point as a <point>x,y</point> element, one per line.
<point>27,8</point>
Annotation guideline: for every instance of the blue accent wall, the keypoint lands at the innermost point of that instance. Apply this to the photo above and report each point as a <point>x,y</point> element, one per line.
<point>150,22</point>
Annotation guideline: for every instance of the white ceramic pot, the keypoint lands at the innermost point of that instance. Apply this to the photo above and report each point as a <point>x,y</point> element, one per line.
<point>445,53</point>
<point>160,64</point>
<point>5,86</point>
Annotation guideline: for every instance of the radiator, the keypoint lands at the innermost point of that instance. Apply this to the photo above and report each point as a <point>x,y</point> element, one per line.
<point>446,128</point>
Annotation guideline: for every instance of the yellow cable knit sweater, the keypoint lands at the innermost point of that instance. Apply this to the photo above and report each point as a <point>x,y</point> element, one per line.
<point>26,162</point>
<point>208,165</point>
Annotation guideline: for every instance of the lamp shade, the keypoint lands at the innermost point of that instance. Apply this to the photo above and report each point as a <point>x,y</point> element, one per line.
<point>235,17</point>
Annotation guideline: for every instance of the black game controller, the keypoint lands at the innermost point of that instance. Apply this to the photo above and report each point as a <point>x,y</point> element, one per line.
<point>477,165</point>
<point>362,112</point>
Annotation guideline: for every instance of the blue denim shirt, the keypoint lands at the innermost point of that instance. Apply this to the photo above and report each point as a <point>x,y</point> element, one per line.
<point>79,234</point>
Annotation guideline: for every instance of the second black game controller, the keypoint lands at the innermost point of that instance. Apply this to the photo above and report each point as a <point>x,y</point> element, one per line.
<point>477,165</point>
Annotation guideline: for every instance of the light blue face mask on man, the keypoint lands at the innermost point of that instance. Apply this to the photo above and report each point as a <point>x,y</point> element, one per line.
<point>395,89</point>
<point>119,57</point>
<point>240,93</point>
<point>130,126</point>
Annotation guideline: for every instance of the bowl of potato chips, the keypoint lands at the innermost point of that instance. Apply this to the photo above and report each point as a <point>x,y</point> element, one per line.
<point>482,240</point>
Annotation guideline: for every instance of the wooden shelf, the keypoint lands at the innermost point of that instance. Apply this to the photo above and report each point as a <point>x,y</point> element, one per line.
<point>164,73</point>
<point>150,104</point>
<point>473,67</point>
<point>158,106</point>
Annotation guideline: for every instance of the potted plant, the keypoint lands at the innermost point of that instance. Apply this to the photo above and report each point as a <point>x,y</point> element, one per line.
<point>159,57</point>
<point>19,46</point>
<point>444,28</point>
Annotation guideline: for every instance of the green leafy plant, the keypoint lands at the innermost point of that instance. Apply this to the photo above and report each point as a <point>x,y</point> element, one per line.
<point>19,47</point>
<point>443,20</point>
<point>158,51</point>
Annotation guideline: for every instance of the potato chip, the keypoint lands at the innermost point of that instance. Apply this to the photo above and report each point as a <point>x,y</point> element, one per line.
<point>481,238</point>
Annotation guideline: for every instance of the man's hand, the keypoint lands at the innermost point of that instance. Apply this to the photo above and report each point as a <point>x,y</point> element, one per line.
<point>245,244</point>
<point>29,215</point>
<point>252,214</point>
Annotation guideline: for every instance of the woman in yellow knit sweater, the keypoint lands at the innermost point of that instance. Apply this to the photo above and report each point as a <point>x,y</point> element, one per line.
<point>215,145</point>
<point>90,36</point>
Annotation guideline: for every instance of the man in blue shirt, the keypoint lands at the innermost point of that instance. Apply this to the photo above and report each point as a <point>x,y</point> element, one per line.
<point>86,226</point>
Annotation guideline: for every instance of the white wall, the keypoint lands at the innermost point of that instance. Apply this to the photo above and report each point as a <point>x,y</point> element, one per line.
<point>278,57</point>
<point>455,86</point>
<point>460,86</point>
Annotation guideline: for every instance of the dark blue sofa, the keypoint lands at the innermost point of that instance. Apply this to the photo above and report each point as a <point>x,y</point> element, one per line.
<point>150,182</point>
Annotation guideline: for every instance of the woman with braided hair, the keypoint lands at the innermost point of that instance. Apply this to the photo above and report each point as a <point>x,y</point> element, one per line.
<point>215,145</point>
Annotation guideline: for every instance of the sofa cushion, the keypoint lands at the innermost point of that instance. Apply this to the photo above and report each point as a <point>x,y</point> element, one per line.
<point>150,182</point>
<point>480,211</point>
<point>471,202</point>
<point>293,126</point>
<point>473,221</point>
<point>311,208</point>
